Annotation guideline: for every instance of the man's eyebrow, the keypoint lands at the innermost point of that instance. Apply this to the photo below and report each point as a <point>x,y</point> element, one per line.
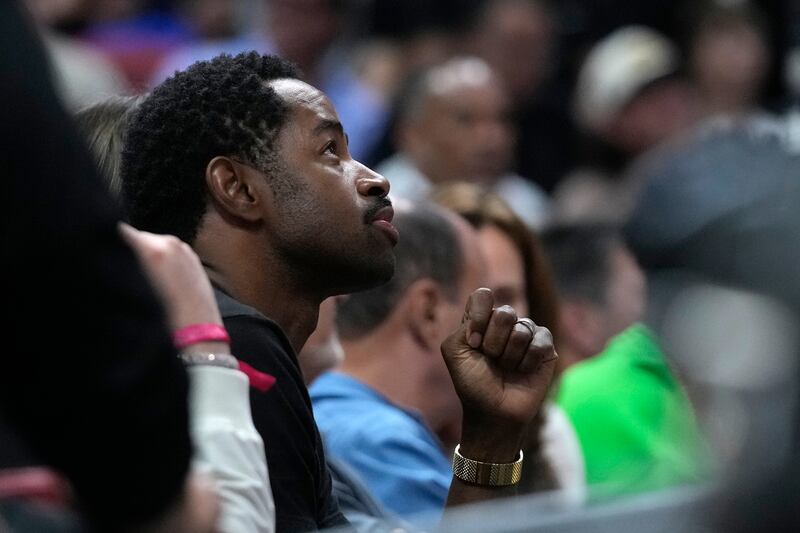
<point>324,125</point>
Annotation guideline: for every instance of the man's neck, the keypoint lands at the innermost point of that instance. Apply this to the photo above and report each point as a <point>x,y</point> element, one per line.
<point>296,316</point>
<point>244,272</point>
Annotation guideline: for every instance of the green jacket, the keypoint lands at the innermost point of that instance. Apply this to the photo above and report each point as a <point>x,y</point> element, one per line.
<point>633,419</point>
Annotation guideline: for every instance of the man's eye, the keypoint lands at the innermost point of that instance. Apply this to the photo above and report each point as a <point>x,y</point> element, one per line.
<point>330,148</point>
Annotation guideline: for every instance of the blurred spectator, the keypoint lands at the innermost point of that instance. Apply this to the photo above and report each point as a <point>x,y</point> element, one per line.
<point>636,426</point>
<point>215,30</point>
<point>321,353</point>
<point>455,125</point>
<point>403,38</point>
<point>519,275</point>
<point>716,229</point>
<point>630,97</point>
<point>520,272</point>
<point>82,75</point>
<point>313,34</point>
<point>380,412</point>
<point>600,286</point>
<point>106,392</point>
<point>729,58</point>
<point>526,27</point>
<point>529,28</point>
<point>136,36</point>
<point>627,91</point>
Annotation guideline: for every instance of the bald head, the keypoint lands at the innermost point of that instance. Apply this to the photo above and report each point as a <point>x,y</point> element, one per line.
<point>455,125</point>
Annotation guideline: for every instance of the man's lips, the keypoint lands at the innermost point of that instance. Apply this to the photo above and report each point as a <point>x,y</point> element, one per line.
<point>383,221</point>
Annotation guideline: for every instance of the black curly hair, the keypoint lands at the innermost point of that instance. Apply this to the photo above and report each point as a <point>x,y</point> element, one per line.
<point>220,107</point>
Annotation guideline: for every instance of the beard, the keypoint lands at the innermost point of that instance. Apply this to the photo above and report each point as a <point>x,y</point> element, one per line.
<point>328,253</point>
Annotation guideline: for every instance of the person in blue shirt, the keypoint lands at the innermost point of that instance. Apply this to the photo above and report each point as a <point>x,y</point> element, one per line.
<point>380,411</point>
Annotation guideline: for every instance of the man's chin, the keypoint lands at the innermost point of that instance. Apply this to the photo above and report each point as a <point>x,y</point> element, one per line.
<point>374,274</point>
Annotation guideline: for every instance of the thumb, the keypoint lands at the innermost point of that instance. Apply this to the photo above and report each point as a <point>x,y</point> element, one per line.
<point>476,316</point>
<point>469,333</point>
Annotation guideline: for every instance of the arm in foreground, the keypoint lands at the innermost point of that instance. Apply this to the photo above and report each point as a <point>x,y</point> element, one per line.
<point>227,446</point>
<point>501,368</point>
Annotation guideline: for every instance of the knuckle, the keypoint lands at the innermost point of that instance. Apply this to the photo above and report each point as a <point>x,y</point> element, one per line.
<point>520,336</point>
<point>506,315</point>
<point>544,336</point>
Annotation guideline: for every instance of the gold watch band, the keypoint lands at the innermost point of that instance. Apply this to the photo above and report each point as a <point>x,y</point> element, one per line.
<point>492,474</point>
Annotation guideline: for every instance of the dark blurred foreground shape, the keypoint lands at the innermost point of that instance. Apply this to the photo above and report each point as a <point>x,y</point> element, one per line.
<point>91,376</point>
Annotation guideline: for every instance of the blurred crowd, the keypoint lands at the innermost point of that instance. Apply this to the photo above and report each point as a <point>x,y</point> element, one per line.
<point>553,100</point>
<point>624,173</point>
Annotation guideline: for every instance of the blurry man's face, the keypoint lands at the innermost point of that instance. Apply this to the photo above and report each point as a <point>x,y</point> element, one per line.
<point>464,133</point>
<point>213,19</point>
<point>625,295</point>
<point>516,39</point>
<point>655,115</point>
<point>330,217</point>
<point>302,29</point>
<point>505,269</point>
<point>587,326</point>
<point>729,65</point>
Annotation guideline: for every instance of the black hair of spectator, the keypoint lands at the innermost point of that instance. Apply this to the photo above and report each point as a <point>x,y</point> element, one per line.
<point>581,257</point>
<point>429,249</point>
<point>220,107</point>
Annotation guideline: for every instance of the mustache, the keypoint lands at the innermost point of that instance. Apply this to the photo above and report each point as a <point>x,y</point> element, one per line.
<point>372,211</point>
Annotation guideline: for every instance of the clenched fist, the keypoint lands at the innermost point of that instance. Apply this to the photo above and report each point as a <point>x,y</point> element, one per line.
<point>501,366</point>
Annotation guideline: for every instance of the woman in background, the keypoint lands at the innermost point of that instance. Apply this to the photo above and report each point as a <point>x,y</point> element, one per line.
<point>519,275</point>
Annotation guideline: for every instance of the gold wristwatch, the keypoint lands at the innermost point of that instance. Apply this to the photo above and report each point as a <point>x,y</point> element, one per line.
<point>491,474</point>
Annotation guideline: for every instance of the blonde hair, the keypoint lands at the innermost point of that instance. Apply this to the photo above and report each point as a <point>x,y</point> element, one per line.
<point>103,126</point>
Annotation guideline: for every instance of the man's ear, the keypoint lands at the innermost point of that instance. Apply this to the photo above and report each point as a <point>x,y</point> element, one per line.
<point>237,189</point>
<point>424,301</point>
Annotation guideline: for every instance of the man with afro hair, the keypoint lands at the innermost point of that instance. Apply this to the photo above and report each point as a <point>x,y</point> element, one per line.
<point>250,165</point>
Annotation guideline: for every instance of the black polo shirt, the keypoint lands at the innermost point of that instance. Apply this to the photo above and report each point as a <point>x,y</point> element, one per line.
<point>301,483</point>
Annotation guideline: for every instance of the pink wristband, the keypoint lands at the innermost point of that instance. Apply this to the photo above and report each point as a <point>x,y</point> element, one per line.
<point>194,333</point>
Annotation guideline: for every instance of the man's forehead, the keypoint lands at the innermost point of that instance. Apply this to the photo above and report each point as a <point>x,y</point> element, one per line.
<point>300,96</point>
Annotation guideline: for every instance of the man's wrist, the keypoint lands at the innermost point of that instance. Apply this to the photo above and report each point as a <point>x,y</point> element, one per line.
<point>490,442</point>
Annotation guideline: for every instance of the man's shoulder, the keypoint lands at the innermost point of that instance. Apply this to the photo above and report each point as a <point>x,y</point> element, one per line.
<point>284,419</point>
<point>629,376</point>
<point>621,356</point>
<point>230,307</point>
<point>362,422</point>
<point>250,330</point>
<point>355,408</point>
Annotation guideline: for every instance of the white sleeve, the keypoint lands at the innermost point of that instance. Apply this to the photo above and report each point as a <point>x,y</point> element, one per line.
<point>229,449</point>
<point>561,448</point>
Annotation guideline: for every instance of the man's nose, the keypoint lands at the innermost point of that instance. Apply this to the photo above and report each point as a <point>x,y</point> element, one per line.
<point>370,183</point>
